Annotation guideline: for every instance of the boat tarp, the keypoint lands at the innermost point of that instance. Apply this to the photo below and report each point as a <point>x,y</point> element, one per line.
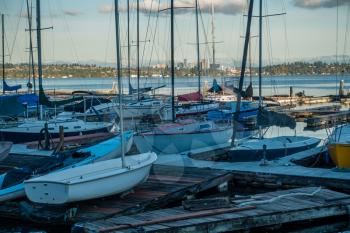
<point>270,118</point>
<point>10,106</point>
<point>141,90</point>
<point>79,106</point>
<point>28,99</point>
<point>216,88</point>
<point>195,96</point>
<point>44,100</point>
<point>6,87</point>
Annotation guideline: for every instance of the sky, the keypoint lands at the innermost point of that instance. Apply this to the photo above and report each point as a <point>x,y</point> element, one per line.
<point>83,30</point>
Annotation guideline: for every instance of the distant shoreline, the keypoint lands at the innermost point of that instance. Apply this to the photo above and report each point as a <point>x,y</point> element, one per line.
<point>189,77</point>
<point>162,71</point>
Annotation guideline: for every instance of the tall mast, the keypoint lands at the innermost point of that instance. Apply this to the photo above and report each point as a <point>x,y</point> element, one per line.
<point>129,68</point>
<point>119,74</point>
<point>198,50</point>
<point>3,52</point>
<point>138,49</point>
<point>29,12</point>
<point>38,38</point>
<point>260,54</point>
<point>244,63</point>
<point>172,60</point>
<point>213,31</point>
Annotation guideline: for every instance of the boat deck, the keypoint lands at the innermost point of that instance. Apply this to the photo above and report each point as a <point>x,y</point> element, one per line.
<point>269,209</point>
<point>166,185</point>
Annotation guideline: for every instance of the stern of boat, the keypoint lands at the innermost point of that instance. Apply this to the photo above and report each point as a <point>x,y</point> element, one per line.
<point>339,154</point>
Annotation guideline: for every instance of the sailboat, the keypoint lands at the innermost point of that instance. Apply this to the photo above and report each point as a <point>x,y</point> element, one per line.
<point>17,168</point>
<point>95,180</point>
<point>13,105</point>
<point>182,135</point>
<point>265,148</point>
<point>32,129</point>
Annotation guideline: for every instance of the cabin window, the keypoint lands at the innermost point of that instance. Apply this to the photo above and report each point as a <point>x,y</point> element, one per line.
<point>77,127</point>
<point>65,128</point>
<point>50,128</point>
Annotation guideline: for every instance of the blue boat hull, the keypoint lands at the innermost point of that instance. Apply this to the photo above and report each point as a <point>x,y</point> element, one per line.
<point>271,154</point>
<point>16,137</point>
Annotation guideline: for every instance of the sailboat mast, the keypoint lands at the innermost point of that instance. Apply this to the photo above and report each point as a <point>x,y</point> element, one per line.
<point>29,11</point>
<point>244,63</point>
<point>129,68</point>
<point>172,60</point>
<point>213,31</point>
<point>198,50</point>
<point>260,54</point>
<point>138,49</point>
<point>3,52</point>
<point>118,62</point>
<point>38,38</point>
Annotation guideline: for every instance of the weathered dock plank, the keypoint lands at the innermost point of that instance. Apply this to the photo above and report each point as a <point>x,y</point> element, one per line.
<point>329,119</point>
<point>166,184</point>
<point>277,174</point>
<point>268,209</point>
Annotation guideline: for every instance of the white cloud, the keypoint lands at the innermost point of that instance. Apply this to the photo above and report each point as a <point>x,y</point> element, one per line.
<point>72,12</point>
<point>314,4</point>
<point>106,8</point>
<point>221,6</point>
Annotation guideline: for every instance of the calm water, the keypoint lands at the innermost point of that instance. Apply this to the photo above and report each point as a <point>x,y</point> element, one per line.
<point>312,85</point>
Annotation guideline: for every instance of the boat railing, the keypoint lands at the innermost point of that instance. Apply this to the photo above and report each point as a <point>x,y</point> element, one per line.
<point>8,122</point>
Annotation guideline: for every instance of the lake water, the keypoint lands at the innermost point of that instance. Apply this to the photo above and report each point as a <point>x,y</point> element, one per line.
<point>312,85</point>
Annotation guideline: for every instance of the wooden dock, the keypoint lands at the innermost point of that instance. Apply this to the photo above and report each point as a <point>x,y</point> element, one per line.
<point>166,185</point>
<point>328,120</point>
<point>276,174</point>
<point>313,112</point>
<point>262,210</point>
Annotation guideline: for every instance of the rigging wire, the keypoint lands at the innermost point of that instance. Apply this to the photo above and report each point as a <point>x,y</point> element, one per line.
<point>10,51</point>
<point>75,53</point>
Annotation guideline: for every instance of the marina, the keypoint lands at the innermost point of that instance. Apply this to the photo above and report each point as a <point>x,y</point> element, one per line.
<point>163,137</point>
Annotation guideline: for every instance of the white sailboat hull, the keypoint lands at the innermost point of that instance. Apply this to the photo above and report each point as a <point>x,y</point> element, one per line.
<point>179,143</point>
<point>90,181</point>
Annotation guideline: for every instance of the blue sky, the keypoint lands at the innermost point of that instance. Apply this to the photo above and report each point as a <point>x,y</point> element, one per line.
<point>84,30</point>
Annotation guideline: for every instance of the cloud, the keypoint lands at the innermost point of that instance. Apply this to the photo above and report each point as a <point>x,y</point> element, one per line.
<point>72,12</point>
<point>315,4</point>
<point>106,8</point>
<point>220,6</point>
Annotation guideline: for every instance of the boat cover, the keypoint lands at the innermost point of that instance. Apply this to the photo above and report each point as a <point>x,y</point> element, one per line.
<point>6,87</point>
<point>28,99</point>
<point>216,88</point>
<point>10,106</point>
<point>270,118</point>
<point>195,96</point>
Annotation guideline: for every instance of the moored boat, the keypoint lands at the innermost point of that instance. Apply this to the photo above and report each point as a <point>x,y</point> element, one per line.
<point>339,146</point>
<point>273,148</point>
<point>32,130</point>
<point>182,136</point>
<point>23,166</point>
<point>90,181</point>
